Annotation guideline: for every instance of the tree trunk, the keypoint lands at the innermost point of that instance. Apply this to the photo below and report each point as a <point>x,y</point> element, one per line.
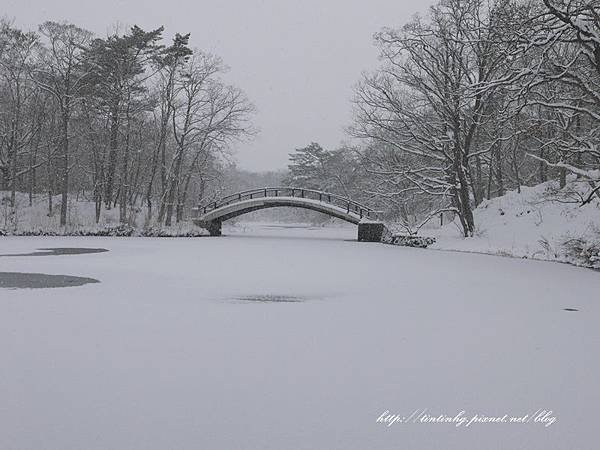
<point>173,188</point>
<point>516,167</point>
<point>13,162</point>
<point>125,175</point>
<point>461,193</point>
<point>499,178</point>
<point>542,168</point>
<point>112,157</point>
<point>65,170</point>
<point>32,168</point>
<point>50,176</point>
<point>478,191</point>
<point>490,176</point>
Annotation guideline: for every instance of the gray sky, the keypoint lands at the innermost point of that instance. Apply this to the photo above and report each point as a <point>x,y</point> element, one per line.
<point>296,60</point>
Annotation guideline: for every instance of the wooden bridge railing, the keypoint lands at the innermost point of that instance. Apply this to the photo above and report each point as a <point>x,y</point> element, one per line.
<point>349,205</point>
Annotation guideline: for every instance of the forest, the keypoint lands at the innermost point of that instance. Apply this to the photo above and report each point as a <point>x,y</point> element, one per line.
<point>127,121</point>
<point>474,99</point>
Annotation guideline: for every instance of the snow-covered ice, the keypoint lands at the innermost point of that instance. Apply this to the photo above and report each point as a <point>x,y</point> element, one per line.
<point>166,352</point>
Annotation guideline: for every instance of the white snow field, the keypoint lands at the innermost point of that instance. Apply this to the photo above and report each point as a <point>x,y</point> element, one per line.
<point>285,338</point>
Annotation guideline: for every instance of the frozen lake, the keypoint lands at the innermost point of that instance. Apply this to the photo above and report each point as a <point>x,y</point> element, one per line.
<point>293,338</point>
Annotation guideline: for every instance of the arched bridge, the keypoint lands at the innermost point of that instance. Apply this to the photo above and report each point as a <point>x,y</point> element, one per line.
<point>212,215</point>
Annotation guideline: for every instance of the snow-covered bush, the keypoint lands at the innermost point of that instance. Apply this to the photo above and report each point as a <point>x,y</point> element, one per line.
<point>582,252</point>
<point>170,232</point>
<point>412,241</point>
<point>121,230</point>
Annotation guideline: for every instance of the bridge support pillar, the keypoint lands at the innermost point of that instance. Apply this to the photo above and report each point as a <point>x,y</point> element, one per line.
<point>371,231</point>
<point>214,227</point>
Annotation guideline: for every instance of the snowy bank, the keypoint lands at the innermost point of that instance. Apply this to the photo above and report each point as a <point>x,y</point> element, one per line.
<point>35,220</point>
<point>541,222</point>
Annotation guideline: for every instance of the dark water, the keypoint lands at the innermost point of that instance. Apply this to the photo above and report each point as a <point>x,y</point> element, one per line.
<point>20,280</point>
<point>267,298</point>
<point>55,251</point>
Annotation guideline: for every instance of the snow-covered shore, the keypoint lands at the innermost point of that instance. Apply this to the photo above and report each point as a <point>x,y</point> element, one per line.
<point>541,222</point>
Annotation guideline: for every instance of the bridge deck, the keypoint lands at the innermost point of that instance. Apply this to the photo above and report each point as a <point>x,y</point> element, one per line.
<point>298,197</point>
<point>211,216</point>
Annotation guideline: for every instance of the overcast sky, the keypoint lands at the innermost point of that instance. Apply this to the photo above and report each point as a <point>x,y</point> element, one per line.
<point>296,60</point>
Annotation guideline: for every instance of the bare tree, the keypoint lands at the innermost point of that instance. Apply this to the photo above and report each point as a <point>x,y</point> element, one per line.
<point>61,73</point>
<point>565,34</point>
<point>432,96</point>
<point>16,59</point>
<point>207,115</point>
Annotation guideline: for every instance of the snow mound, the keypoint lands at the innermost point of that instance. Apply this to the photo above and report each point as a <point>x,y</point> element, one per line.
<point>541,222</point>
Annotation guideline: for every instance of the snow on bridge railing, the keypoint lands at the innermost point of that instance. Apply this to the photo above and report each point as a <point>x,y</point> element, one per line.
<point>351,206</point>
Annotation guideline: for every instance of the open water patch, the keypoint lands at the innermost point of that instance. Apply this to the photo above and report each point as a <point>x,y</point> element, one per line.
<point>21,280</point>
<point>270,298</point>
<point>57,251</point>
